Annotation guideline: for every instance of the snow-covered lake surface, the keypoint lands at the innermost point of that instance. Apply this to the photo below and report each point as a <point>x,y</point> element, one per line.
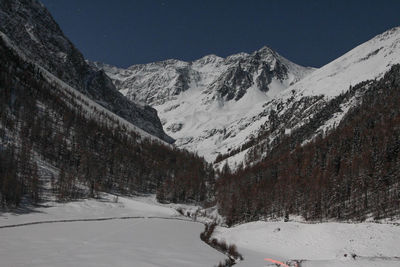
<point>159,236</point>
<point>140,242</point>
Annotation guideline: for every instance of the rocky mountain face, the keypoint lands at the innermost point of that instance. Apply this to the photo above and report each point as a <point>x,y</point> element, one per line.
<point>237,108</point>
<point>205,103</point>
<point>29,26</point>
<point>320,101</point>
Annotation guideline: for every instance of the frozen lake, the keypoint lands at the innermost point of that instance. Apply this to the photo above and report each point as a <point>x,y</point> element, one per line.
<point>131,242</point>
<point>144,242</point>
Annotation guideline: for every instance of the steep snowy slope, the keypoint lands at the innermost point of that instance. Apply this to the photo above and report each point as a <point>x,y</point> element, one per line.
<point>198,101</point>
<point>30,26</point>
<point>367,61</point>
<point>241,105</point>
<point>45,119</point>
<point>92,109</point>
<point>318,96</point>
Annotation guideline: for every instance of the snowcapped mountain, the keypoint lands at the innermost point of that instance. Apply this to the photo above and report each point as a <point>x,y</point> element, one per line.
<point>30,27</point>
<point>370,60</point>
<point>199,101</point>
<point>242,104</point>
<point>319,101</point>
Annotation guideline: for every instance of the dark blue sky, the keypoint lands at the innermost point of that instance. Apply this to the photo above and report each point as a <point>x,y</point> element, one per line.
<point>312,33</point>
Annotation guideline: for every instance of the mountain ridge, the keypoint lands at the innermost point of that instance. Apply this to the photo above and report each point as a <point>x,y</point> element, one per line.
<point>29,25</point>
<point>205,88</point>
<point>193,105</point>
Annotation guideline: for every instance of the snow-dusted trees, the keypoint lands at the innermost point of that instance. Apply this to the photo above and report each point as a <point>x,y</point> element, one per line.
<point>351,171</point>
<point>18,170</point>
<point>10,186</point>
<point>94,152</point>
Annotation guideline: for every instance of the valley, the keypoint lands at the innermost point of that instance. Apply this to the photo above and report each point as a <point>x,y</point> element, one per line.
<point>195,162</point>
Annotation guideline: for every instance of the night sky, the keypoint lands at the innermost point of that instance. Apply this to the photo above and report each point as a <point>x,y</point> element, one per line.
<point>310,33</point>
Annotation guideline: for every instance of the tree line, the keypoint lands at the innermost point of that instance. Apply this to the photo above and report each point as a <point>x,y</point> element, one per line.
<point>92,153</point>
<point>349,172</point>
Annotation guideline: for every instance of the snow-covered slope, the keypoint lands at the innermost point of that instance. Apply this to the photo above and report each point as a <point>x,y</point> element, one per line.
<point>367,61</point>
<point>29,25</point>
<point>227,106</point>
<point>320,244</point>
<point>311,103</point>
<point>92,109</point>
<point>299,103</point>
<point>198,101</point>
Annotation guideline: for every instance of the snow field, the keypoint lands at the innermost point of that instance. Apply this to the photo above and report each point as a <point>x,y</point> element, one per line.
<point>320,244</point>
<point>144,242</point>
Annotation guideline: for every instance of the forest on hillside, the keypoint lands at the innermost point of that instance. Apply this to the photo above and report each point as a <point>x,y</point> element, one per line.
<point>91,153</point>
<point>349,172</point>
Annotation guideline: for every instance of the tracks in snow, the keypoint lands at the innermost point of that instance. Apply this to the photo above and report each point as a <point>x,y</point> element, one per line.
<point>94,220</point>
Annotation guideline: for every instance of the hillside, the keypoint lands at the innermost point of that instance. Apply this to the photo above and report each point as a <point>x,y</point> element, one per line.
<point>29,25</point>
<point>350,172</point>
<point>47,124</point>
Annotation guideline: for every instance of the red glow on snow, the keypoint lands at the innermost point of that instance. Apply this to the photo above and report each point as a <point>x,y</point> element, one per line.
<point>278,262</point>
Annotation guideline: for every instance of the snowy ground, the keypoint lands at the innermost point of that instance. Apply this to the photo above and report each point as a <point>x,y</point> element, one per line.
<point>141,232</point>
<point>145,242</point>
<point>321,244</point>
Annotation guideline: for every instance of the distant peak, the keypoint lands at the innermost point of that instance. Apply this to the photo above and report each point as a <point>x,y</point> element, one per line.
<point>170,61</point>
<point>209,58</point>
<point>391,33</point>
<point>265,50</point>
<point>394,29</point>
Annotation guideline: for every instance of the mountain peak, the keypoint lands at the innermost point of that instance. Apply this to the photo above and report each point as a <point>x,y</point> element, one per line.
<point>208,59</point>
<point>265,49</point>
<point>200,99</point>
